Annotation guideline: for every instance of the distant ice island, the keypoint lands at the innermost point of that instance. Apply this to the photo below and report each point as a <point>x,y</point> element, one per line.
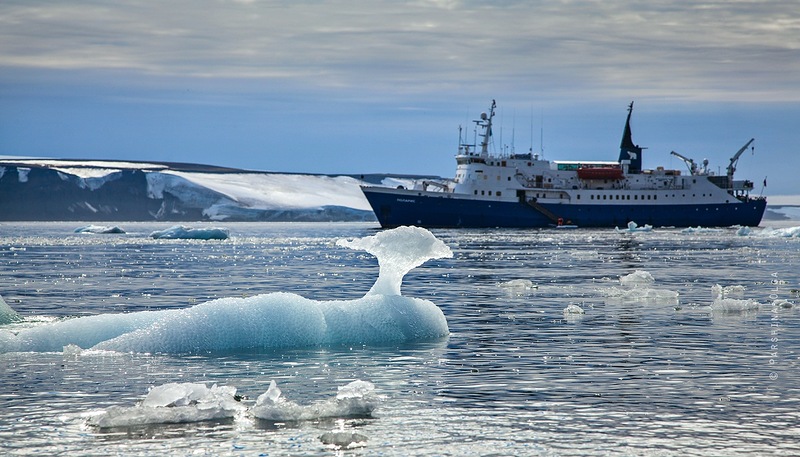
<point>77,190</point>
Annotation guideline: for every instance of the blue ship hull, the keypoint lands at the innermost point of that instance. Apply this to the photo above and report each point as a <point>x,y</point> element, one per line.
<point>434,211</point>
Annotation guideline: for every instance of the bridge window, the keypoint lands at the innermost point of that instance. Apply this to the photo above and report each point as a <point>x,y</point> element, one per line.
<point>498,193</point>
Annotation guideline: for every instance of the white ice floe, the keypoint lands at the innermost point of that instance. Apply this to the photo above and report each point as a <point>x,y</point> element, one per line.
<point>357,399</point>
<point>268,321</point>
<point>183,232</point>
<point>99,229</point>
<point>174,403</point>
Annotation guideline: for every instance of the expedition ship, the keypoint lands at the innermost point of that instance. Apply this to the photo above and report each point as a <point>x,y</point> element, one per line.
<point>525,190</point>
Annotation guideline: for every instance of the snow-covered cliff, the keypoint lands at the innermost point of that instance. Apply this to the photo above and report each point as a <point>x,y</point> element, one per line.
<point>45,189</point>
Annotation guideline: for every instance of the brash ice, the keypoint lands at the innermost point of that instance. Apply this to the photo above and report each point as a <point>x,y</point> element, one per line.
<point>268,321</point>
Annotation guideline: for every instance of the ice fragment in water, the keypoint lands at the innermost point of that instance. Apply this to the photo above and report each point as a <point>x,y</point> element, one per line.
<point>99,229</point>
<point>174,403</point>
<point>398,251</point>
<point>276,320</point>
<point>638,278</point>
<point>343,439</point>
<point>183,232</point>
<point>518,284</point>
<point>357,399</point>
<point>7,315</point>
<point>573,309</point>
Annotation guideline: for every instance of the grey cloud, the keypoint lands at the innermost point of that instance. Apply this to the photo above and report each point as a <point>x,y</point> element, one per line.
<point>697,50</point>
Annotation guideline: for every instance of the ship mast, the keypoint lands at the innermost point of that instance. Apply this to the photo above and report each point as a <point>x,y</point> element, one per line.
<point>486,123</point>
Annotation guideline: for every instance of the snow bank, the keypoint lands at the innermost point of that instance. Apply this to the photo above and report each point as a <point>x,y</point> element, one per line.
<point>275,190</point>
<point>183,232</point>
<point>276,320</point>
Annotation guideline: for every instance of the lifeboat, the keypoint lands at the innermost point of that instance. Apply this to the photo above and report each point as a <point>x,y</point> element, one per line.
<point>600,173</point>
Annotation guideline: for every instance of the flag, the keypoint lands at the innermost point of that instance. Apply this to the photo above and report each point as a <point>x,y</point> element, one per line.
<point>765,182</point>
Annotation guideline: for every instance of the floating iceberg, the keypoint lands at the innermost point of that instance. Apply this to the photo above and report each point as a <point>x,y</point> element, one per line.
<point>269,321</point>
<point>634,227</point>
<point>99,229</point>
<point>174,403</point>
<point>357,399</point>
<point>183,232</point>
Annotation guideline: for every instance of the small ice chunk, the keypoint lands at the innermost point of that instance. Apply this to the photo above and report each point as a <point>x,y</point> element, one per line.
<point>183,232</point>
<point>734,305</point>
<point>271,396</point>
<point>518,284</point>
<point>574,309</point>
<point>343,439</point>
<point>174,403</point>
<point>175,394</point>
<point>7,315</point>
<point>357,399</point>
<point>634,227</point>
<point>638,278</point>
<point>99,229</point>
<point>718,291</point>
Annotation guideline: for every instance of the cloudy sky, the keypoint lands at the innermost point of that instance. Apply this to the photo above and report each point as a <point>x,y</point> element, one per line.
<point>356,86</point>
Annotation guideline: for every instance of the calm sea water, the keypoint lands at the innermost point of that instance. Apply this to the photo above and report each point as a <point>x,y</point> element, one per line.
<point>637,374</point>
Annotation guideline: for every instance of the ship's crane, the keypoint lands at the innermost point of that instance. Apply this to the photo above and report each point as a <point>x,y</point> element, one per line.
<point>689,162</point>
<point>735,159</point>
<point>693,168</point>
